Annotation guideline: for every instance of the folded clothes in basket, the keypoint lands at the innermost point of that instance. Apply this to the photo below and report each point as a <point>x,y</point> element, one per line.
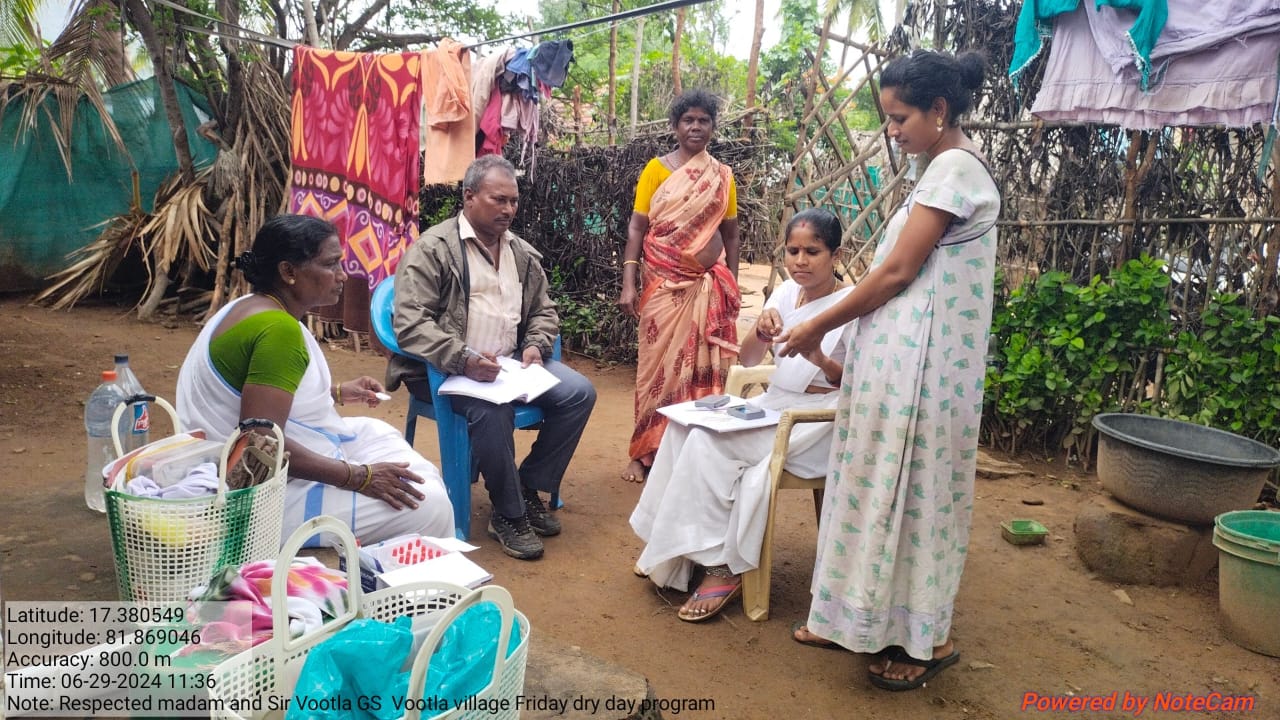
<point>200,481</point>
<point>235,608</point>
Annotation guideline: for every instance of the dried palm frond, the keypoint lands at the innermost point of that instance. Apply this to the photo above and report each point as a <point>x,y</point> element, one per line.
<point>180,227</point>
<point>94,263</point>
<point>88,51</point>
<point>254,187</point>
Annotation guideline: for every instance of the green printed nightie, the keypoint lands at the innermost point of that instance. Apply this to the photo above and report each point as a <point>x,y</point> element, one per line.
<point>895,523</point>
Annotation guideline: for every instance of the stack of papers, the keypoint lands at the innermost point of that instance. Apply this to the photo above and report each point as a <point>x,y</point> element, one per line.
<point>454,568</point>
<point>717,419</point>
<point>513,384</point>
<point>414,558</point>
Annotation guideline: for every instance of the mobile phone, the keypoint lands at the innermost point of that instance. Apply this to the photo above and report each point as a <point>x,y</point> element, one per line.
<point>712,401</point>
<point>745,412</point>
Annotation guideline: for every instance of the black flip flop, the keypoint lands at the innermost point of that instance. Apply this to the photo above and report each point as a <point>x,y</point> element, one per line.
<point>931,668</point>
<point>824,644</point>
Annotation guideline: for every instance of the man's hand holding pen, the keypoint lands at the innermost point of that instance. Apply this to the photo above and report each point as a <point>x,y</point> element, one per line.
<point>481,367</point>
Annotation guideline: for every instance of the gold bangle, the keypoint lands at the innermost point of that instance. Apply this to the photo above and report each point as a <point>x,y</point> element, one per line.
<point>348,483</point>
<point>368,478</point>
<point>630,262</point>
<point>337,393</point>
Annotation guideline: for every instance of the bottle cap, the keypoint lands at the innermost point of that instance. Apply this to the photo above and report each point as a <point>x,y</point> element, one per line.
<point>121,359</point>
<point>108,376</point>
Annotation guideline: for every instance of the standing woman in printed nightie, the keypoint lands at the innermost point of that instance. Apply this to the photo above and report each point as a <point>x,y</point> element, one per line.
<point>899,500</point>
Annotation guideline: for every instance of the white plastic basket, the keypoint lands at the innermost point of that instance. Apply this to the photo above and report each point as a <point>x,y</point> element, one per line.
<point>165,547</point>
<point>271,669</point>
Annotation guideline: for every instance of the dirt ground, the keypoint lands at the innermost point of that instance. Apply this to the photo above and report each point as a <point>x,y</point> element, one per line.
<point>1028,620</point>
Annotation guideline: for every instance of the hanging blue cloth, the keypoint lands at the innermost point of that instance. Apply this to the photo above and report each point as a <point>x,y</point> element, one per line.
<point>518,76</point>
<point>1035,24</point>
<point>550,61</point>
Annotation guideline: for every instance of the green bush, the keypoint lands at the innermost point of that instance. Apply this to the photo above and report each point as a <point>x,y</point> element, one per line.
<point>1228,375</point>
<point>591,323</point>
<point>1065,352</point>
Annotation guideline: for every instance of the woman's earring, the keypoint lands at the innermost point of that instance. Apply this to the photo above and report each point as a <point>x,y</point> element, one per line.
<point>939,124</point>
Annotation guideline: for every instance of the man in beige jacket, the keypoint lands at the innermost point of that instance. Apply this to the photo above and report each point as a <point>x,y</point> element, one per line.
<point>470,291</point>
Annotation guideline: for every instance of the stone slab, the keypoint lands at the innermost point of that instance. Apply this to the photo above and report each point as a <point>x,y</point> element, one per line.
<point>562,682</point>
<point>1125,545</point>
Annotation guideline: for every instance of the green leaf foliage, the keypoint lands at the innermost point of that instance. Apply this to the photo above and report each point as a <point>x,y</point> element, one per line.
<point>1065,352</point>
<point>1228,375</point>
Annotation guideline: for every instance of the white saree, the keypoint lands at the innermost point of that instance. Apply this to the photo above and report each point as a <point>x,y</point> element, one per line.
<point>706,499</point>
<point>206,401</point>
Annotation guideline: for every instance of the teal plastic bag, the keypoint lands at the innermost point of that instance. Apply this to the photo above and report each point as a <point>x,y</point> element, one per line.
<point>355,673</point>
<point>463,664</point>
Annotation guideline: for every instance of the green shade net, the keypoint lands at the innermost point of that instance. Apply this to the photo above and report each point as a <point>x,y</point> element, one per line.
<point>44,214</point>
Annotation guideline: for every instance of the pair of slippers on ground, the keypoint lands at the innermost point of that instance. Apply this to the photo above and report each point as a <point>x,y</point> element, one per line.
<point>894,654</point>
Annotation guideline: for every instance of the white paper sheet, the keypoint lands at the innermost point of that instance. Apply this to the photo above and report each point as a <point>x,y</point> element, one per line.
<point>514,383</point>
<point>718,419</point>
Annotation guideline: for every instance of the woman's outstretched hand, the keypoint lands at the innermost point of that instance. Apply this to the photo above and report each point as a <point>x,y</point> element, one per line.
<point>362,390</point>
<point>392,483</point>
<point>802,339</point>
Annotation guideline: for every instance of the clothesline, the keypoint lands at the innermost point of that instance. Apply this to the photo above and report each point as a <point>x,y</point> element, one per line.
<point>247,35</point>
<point>624,15</point>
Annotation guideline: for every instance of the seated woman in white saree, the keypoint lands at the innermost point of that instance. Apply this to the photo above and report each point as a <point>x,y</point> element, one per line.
<point>255,359</point>
<point>705,502</point>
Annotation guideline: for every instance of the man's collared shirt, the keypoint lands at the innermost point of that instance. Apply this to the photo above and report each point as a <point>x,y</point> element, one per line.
<point>493,313</point>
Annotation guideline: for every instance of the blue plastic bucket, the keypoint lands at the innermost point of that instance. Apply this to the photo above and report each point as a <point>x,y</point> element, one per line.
<point>1249,578</point>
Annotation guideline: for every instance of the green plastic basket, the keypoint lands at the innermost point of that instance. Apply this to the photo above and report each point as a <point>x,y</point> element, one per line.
<point>163,548</point>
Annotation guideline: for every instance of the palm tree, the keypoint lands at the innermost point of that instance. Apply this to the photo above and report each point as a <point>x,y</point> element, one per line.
<point>863,14</point>
<point>17,22</point>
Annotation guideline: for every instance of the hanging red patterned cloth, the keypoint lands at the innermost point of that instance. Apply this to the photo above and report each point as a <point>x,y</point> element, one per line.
<point>354,148</point>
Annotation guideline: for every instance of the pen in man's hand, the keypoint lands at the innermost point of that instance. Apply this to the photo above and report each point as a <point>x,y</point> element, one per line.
<point>467,350</point>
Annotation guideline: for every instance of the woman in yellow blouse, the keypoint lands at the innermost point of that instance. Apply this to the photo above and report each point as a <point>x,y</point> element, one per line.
<point>685,220</point>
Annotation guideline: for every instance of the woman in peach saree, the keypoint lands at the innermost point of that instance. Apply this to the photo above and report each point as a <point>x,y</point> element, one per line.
<point>686,222</point>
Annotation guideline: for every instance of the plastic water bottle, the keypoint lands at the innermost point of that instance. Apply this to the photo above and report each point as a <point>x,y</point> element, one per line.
<point>140,428</point>
<point>98,411</point>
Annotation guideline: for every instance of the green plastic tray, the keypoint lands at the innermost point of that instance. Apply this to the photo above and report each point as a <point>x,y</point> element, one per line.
<point>1023,532</point>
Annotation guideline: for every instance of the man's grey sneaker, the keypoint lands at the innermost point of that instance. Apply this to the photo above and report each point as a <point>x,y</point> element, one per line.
<point>515,536</point>
<point>543,522</point>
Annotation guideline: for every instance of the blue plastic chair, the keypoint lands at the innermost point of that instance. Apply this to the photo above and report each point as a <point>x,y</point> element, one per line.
<point>456,464</point>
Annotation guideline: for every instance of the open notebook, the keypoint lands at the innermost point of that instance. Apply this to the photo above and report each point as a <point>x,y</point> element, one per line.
<point>514,383</point>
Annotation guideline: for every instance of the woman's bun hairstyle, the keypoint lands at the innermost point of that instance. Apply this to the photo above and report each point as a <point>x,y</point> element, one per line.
<point>973,69</point>
<point>926,75</point>
<point>284,238</point>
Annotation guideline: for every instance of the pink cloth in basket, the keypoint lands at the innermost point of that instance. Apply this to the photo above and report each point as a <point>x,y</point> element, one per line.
<point>314,593</point>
